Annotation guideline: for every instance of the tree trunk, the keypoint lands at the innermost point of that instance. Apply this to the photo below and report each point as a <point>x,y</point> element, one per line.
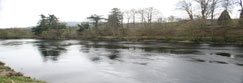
<point>241,14</point>
<point>191,16</point>
<point>241,18</point>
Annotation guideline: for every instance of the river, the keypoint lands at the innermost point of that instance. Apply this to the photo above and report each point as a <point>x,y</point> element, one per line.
<point>82,61</point>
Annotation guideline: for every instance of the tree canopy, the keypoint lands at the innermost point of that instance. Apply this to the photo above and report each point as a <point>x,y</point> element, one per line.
<point>96,18</point>
<point>48,22</point>
<point>115,18</point>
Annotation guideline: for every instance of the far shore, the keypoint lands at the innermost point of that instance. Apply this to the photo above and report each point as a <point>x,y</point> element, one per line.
<point>143,39</point>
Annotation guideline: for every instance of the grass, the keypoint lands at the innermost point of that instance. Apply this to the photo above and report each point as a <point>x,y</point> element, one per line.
<point>8,75</point>
<point>18,79</point>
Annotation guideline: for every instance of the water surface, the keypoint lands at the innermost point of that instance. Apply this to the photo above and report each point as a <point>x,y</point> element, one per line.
<point>79,61</point>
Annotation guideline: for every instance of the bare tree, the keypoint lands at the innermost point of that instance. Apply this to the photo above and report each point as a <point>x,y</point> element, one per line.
<point>241,12</point>
<point>241,4</point>
<point>149,14</point>
<point>186,6</point>
<point>134,12</point>
<point>171,19</point>
<point>227,4</point>
<point>160,20</point>
<point>127,16</point>
<point>142,12</point>
<point>213,6</point>
<point>205,6</point>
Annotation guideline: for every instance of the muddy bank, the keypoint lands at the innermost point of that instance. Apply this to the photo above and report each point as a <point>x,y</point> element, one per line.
<point>8,75</point>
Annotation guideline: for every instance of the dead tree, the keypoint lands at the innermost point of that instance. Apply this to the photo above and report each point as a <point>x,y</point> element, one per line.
<point>187,7</point>
<point>128,16</point>
<point>205,7</point>
<point>213,7</point>
<point>134,12</point>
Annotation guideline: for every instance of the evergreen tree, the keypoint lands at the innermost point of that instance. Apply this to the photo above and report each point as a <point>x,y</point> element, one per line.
<point>47,23</point>
<point>115,18</point>
<point>224,19</point>
<point>42,25</point>
<point>83,26</point>
<point>96,19</point>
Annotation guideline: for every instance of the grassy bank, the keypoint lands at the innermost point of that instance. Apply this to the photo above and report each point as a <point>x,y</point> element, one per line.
<point>8,75</point>
<point>196,31</point>
<point>209,40</point>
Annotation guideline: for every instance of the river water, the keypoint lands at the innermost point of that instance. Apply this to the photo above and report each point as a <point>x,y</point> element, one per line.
<point>80,61</point>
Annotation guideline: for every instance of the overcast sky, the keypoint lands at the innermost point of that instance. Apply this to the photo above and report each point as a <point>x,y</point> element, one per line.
<point>25,13</point>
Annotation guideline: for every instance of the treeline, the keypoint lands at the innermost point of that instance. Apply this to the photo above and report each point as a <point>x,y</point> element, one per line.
<point>147,23</point>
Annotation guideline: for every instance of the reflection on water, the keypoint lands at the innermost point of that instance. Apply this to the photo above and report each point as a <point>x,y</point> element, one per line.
<point>79,61</point>
<point>51,50</point>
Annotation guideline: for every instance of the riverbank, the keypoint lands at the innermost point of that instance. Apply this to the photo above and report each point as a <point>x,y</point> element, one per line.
<point>232,41</point>
<point>208,40</point>
<point>8,75</point>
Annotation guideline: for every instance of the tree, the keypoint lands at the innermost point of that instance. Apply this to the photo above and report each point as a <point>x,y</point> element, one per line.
<point>213,6</point>
<point>187,7</point>
<point>227,4</point>
<point>47,23</point>
<point>53,22</point>
<point>83,26</point>
<point>241,4</point>
<point>134,12</point>
<point>171,19</point>
<point>224,19</point>
<point>115,18</point>
<point>42,25</point>
<point>141,12</point>
<point>128,16</point>
<point>241,12</point>
<point>241,18</point>
<point>149,14</point>
<point>96,19</point>
<point>205,6</point>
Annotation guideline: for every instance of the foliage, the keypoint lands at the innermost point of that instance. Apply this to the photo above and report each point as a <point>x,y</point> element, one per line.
<point>146,24</point>
<point>83,26</point>
<point>115,18</point>
<point>96,18</point>
<point>8,75</point>
<point>17,79</point>
<point>47,23</point>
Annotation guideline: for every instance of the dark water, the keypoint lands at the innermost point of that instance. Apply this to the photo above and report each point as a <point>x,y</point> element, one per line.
<point>74,61</point>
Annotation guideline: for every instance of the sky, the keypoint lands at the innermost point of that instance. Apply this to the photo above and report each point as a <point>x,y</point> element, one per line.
<point>25,13</point>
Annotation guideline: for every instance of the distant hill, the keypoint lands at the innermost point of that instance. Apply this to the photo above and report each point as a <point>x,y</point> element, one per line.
<point>72,23</point>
